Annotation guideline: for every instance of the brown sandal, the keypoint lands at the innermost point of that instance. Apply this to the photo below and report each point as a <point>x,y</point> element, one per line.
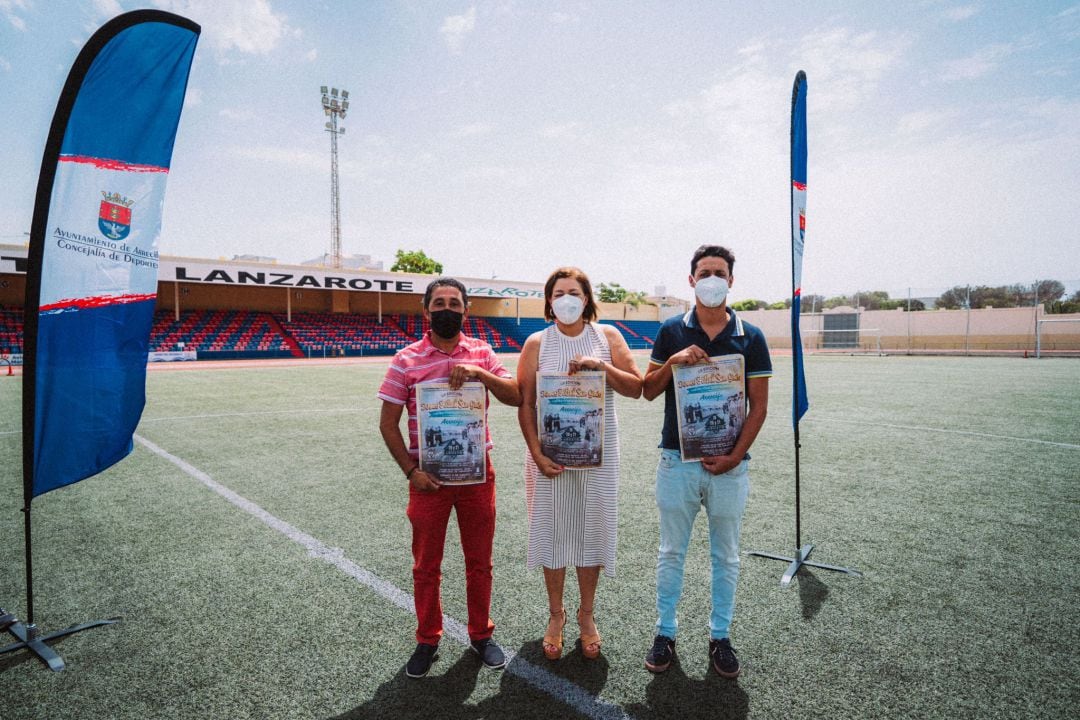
<point>590,644</point>
<point>553,644</point>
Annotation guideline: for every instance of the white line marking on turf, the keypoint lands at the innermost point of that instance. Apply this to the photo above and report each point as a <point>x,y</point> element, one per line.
<point>253,413</point>
<point>560,689</point>
<point>953,432</point>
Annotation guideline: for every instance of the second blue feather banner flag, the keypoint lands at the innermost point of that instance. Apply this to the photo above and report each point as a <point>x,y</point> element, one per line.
<point>800,403</point>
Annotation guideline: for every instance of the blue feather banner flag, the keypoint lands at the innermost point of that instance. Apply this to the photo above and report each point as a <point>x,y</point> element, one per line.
<point>93,258</point>
<point>800,403</point>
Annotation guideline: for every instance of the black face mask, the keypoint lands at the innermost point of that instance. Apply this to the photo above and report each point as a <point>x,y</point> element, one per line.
<point>446,323</point>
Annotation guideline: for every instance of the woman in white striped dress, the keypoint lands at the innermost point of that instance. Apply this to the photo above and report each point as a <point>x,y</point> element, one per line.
<point>573,514</point>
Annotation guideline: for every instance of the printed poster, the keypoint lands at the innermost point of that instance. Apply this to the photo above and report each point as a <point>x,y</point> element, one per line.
<point>451,427</point>
<point>570,417</point>
<point>710,399</point>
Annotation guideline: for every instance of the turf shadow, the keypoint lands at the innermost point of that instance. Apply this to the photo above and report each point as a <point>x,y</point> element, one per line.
<point>671,693</point>
<point>435,695</point>
<point>15,658</point>
<point>812,593</point>
<point>590,675</point>
<point>446,696</point>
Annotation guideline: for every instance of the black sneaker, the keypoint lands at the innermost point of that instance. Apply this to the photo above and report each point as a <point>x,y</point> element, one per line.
<point>723,660</point>
<point>663,652</point>
<point>490,653</point>
<point>421,660</point>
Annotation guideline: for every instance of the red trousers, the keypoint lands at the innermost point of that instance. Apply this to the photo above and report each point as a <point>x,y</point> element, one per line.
<point>429,513</point>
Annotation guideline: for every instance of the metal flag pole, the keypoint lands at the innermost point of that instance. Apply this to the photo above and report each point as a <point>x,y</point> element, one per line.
<point>799,401</point>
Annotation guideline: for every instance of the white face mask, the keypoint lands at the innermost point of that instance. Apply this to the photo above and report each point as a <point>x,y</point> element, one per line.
<point>711,291</point>
<point>567,308</point>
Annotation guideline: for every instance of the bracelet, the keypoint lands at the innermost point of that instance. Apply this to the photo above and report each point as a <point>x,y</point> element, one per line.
<point>414,468</point>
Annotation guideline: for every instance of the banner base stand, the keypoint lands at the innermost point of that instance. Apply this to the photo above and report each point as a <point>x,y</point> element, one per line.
<point>30,639</point>
<point>798,561</point>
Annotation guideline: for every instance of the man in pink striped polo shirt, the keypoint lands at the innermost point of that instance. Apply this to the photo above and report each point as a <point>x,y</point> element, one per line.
<point>444,354</point>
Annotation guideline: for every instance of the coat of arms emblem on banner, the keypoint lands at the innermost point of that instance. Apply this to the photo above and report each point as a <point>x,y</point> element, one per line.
<point>114,216</point>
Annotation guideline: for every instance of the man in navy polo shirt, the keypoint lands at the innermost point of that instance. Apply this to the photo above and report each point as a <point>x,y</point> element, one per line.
<point>720,483</point>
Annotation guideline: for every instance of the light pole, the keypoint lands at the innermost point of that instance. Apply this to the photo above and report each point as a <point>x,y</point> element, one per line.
<point>334,108</point>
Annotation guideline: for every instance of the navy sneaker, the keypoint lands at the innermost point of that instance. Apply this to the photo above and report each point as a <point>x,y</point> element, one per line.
<point>6,620</point>
<point>490,653</point>
<point>723,660</point>
<point>663,652</point>
<point>421,660</point>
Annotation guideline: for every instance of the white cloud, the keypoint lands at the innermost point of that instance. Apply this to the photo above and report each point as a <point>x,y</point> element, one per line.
<point>299,159</point>
<point>920,121</point>
<point>844,68</point>
<point>236,115</point>
<point>754,49</point>
<point>1049,118</point>
<point>471,130</point>
<point>312,55</point>
<point>1068,25</point>
<point>10,8</point>
<point>745,106</point>
<point>565,131</point>
<point>561,18</point>
<point>980,63</point>
<point>456,28</point>
<point>193,97</point>
<point>4,64</point>
<point>246,26</point>
<point>108,8</point>
<point>486,172</point>
<point>961,12</point>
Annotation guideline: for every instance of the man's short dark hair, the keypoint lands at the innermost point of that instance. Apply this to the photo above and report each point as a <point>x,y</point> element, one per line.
<point>713,251</point>
<point>445,282</point>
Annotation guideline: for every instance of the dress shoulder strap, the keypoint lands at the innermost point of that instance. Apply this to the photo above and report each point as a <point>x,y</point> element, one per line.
<point>544,337</point>
<point>599,338</point>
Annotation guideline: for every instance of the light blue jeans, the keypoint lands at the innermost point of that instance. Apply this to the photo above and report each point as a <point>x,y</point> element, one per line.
<point>681,489</point>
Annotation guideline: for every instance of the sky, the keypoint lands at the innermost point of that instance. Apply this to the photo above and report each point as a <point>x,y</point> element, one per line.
<point>511,137</point>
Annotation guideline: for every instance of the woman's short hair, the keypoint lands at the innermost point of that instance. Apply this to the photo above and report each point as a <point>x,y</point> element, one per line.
<point>590,312</point>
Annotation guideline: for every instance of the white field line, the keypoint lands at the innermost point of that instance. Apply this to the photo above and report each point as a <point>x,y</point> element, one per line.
<point>1072,446</point>
<point>560,689</point>
<point>250,414</point>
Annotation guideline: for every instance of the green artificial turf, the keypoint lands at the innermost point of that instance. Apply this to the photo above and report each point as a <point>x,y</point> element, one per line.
<point>921,473</point>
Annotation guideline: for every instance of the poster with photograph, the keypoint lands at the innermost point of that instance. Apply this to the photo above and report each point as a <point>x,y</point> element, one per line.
<point>711,401</point>
<point>570,417</point>
<point>451,428</point>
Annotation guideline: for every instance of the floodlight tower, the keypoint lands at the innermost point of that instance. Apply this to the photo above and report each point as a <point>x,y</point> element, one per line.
<point>335,107</point>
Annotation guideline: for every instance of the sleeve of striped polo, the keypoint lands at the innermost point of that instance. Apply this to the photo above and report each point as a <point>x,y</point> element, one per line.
<point>495,366</point>
<point>394,388</point>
